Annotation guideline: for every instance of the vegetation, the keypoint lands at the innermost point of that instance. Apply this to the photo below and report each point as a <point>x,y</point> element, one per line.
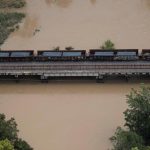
<point>9,23</point>
<point>8,130</point>
<point>108,45</point>
<point>69,48</point>
<point>57,48</point>
<point>12,3</point>
<point>126,140</point>
<point>137,118</point>
<point>6,145</point>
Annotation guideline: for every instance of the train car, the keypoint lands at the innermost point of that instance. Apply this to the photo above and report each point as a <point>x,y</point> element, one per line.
<point>48,55</point>
<point>4,56</point>
<point>101,55</point>
<point>145,55</point>
<point>21,56</point>
<point>126,55</point>
<point>16,56</point>
<point>73,55</point>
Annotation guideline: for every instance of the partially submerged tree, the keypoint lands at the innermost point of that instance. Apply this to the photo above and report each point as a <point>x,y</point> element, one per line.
<point>108,45</point>
<point>57,48</point>
<point>126,140</point>
<point>8,130</point>
<point>137,116</point>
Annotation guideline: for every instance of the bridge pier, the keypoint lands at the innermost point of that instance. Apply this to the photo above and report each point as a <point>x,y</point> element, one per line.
<point>99,79</point>
<point>16,79</point>
<point>126,78</point>
<point>44,79</point>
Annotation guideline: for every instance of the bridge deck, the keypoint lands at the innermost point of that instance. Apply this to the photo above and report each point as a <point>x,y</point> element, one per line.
<point>60,69</point>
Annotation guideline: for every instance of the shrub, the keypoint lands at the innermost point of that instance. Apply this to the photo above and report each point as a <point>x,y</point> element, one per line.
<point>108,45</point>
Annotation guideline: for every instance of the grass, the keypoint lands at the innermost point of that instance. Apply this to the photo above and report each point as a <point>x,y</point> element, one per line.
<point>9,23</point>
<point>12,3</point>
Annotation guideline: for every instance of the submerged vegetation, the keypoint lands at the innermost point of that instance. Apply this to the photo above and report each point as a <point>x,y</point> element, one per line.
<point>108,45</point>
<point>12,3</point>
<point>9,21</point>
<point>69,48</point>
<point>137,118</point>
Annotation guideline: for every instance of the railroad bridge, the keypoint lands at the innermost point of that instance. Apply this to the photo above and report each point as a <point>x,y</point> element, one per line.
<point>98,70</point>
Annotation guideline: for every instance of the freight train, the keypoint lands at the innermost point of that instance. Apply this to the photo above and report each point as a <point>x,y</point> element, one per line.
<point>75,55</point>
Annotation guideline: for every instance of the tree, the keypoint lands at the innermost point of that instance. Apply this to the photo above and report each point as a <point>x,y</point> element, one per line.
<point>137,116</point>
<point>8,130</point>
<point>6,145</point>
<point>22,145</point>
<point>57,48</point>
<point>126,140</point>
<point>108,45</point>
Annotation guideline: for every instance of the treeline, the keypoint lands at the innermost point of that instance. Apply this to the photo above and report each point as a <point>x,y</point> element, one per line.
<point>136,136</point>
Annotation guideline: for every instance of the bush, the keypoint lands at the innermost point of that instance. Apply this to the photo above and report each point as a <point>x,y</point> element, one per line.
<point>69,48</point>
<point>108,45</point>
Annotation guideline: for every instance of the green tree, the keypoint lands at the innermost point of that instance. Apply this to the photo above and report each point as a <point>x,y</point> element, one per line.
<point>22,145</point>
<point>108,45</point>
<point>137,116</point>
<point>6,145</point>
<point>8,130</point>
<point>126,140</point>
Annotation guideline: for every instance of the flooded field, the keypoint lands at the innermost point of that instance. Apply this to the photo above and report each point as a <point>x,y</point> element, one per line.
<point>74,115</point>
<point>65,22</point>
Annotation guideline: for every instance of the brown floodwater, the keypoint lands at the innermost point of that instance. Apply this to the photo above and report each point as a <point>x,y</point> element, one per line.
<point>83,24</point>
<point>74,115</point>
<point>66,115</point>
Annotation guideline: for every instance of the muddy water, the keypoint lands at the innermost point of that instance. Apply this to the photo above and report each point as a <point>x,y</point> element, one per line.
<point>76,116</point>
<point>64,116</point>
<point>83,24</point>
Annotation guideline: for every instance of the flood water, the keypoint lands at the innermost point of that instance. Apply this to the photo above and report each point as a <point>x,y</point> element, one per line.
<point>83,24</point>
<point>74,115</point>
<point>66,115</point>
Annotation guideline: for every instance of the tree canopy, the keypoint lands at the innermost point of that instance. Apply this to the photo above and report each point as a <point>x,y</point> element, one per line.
<point>137,121</point>
<point>8,130</point>
<point>126,140</point>
<point>6,145</point>
<point>108,45</point>
<point>137,116</point>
